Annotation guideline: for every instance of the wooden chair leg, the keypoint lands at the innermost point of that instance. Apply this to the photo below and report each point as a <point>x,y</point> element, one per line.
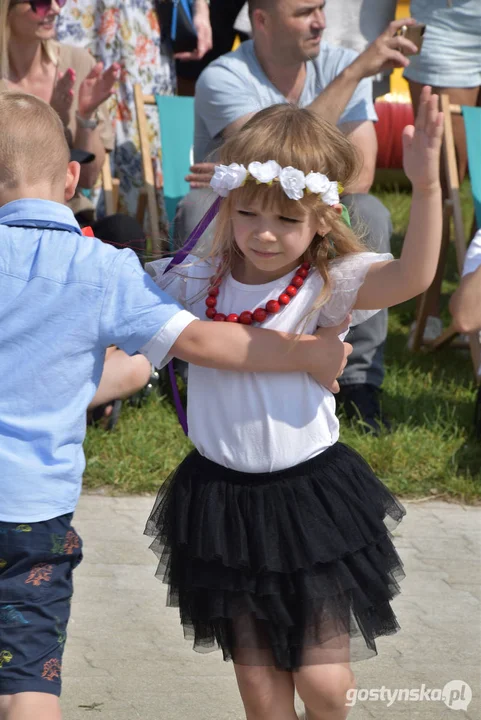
<point>154,222</point>
<point>432,293</point>
<point>149,198</point>
<point>443,339</point>
<point>421,318</point>
<point>115,193</point>
<point>107,183</point>
<point>477,414</point>
<point>141,206</point>
<point>475,348</point>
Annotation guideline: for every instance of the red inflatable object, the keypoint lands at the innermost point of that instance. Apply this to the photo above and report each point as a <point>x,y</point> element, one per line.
<point>393,118</point>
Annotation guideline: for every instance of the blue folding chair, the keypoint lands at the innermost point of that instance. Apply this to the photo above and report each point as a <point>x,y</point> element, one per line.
<point>472,124</point>
<point>176,120</point>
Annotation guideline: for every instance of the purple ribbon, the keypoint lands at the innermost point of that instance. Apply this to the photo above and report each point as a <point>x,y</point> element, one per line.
<point>195,235</point>
<point>179,256</point>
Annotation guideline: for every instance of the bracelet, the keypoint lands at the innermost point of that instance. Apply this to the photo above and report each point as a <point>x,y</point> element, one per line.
<point>87,124</point>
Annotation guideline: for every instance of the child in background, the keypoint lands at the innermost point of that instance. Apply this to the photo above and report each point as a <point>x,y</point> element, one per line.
<point>465,303</point>
<point>273,536</point>
<point>64,299</point>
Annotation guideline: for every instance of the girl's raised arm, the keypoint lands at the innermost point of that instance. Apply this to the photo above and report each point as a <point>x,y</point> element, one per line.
<point>394,282</point>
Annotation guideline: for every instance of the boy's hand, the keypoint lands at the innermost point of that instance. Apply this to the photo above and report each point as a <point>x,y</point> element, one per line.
<point>340,353</point>
<point>96,88</point>
<point>422,144</point>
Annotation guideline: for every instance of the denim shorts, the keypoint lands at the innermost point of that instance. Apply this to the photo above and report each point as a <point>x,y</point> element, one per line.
<point>451,52</point>
<point>36,565</point>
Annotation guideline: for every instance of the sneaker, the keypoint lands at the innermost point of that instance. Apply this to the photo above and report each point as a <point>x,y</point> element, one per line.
<point>432,330</point>
<point>361,402</point>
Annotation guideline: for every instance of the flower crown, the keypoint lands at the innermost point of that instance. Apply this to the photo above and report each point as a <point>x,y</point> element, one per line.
<point>292,181</point>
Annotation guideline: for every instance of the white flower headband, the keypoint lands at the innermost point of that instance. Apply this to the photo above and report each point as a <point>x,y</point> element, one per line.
<point>293,182</point>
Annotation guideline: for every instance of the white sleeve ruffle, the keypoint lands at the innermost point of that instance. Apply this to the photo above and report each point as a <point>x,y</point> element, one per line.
<point>174,281</point>
<point>347,275</point>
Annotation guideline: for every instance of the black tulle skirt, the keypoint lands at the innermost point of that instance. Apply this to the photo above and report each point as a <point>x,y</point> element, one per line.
<point>290,568</point>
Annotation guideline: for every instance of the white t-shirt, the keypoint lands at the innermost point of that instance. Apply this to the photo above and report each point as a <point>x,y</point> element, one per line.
<point>262,422</point>
<point>472,261</point>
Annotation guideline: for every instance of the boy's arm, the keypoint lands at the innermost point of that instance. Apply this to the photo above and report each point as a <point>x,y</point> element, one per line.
<point>397,281</point>
<point>137,315</point>
<point>230,346</point>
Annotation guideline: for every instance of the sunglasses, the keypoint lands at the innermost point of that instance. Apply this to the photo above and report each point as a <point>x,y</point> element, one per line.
<point>40,7</point>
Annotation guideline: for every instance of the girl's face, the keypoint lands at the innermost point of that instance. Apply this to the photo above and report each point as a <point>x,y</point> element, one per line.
<point>272,244</point>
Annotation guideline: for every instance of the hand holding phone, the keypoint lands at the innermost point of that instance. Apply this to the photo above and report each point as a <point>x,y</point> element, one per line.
<point>415,34</point>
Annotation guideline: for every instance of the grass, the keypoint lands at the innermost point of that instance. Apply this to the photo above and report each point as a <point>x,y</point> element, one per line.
<point>429,397</point>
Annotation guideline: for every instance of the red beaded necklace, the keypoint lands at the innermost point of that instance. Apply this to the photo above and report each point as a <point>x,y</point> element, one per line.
<point>272,306</point>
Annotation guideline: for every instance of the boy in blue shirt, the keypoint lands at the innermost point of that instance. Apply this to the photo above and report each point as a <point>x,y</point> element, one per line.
<point>64,299</point>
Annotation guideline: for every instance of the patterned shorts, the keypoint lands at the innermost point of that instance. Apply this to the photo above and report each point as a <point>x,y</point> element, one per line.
<point>36,564</point>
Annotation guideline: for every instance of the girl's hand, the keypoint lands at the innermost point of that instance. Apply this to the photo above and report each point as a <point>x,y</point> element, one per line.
<point>96,88</point>
<point>62,96</point>
<point>204,33</point>
<point>422,144</point>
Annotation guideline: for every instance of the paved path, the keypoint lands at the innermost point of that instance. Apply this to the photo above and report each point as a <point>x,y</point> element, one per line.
<point>126,657</point>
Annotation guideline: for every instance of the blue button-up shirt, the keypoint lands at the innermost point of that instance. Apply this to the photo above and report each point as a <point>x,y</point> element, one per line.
<point>64,299</point>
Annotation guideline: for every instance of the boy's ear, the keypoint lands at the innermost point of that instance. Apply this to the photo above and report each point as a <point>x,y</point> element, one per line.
<point>71,180</point>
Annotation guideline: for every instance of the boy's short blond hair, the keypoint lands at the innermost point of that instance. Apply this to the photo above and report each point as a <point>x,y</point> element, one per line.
<point>33,147</point>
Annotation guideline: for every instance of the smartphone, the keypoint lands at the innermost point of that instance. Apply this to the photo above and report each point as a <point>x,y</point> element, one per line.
<point>414,33</point>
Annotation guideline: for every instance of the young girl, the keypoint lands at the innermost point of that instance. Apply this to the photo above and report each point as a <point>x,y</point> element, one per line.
<point>273,536</point>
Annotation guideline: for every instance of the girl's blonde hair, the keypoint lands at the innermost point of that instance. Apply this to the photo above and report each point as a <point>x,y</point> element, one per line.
<point>296,137</point>
<point>48,46</point>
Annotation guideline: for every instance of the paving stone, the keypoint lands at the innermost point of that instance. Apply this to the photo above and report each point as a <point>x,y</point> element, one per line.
<point>126,656</point>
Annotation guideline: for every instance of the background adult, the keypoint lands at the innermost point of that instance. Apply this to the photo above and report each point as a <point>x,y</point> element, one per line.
<point>127,32</point>
<point>68,78</point>
<point>287,62</point>
<point>465,303</point>
<point>352,24</point>
<point>355,24</point>
<point>77,87</point>
<point>450,61</point>
<point>223,16</point>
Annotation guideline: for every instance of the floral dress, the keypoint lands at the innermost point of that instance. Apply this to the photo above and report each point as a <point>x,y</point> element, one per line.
<point>126,32</point>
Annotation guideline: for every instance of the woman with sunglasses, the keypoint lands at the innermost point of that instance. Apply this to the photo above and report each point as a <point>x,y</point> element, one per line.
<point>67,77</point>
<point>128,32</point>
